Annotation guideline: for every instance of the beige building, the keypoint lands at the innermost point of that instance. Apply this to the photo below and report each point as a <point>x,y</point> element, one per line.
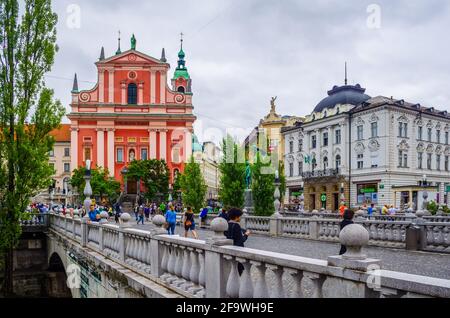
<point>60,158</point>
<point>208,157</point>
<point>270,127</point>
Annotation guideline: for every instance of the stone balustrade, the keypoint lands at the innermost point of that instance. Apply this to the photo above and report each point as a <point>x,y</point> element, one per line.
<point>384,233</point>
<point>198,269</point>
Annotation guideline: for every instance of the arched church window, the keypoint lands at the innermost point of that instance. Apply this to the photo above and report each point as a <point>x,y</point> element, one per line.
<point>181,89</point>
<point>132,94</point>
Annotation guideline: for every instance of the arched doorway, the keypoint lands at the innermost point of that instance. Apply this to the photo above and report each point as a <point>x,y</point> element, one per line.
<point>56,285</point>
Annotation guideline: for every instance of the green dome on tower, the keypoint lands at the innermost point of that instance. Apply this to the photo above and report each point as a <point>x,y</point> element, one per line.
<point>196,146</point>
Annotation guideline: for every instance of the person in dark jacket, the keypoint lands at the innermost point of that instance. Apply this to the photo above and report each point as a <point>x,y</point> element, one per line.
<point>348,219</point>
<point>224,214</point>
<point>236,233</point>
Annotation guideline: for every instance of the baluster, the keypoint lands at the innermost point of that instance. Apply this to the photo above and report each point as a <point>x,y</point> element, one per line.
<point>179,261</point>
<point>186,264</point>
<point>165,257</point>
<point>233,281</point>
<point>201,276</point>
<point>261,290</point>
<point>148,256</point>
<point>297,278</point>
<point>195,267</point>
<point>172,260</point>
<point>246,284</point>
<point>278,290</point>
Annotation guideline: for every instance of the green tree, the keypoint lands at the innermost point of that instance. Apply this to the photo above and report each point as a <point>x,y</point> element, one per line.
<point>263,187</point>
<point>28,113</point>
<point>155,176</point>
<point>103,186</point>
<point>193,185</point>
<point>232,169</point>
<point>177,194</point>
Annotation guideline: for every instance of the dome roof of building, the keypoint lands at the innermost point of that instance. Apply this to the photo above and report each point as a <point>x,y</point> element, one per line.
<point>348,94</point>
<point>196,146</point>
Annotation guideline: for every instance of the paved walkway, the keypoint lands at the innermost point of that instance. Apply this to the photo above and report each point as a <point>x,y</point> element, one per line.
<point>419,263</point>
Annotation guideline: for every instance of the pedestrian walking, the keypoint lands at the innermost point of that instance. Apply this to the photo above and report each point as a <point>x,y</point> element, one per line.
<point>224,214</point>
<point>189,223</point>
<point>203,217</point>
<point>236,233</point>
<point>348,219</point>
<point>371,209</point>
<point>140,215</point>
<point>171,219</point>
<point>147,213</point>
<point>117,213</point>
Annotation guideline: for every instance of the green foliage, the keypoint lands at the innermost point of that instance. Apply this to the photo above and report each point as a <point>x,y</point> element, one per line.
<point>263,187</point>
<point>28,112</point>
<point>193,186</point>
<point>155,176</point>
<point>177,195</point>
<point>282,180</point>
<point>103,186</point>
<point>232,169</point>
<point>432,207</point>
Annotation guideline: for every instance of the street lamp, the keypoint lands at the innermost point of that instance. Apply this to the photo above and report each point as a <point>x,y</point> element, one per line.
<point>342,194</point>
<point>302,197</point>
<point>277,194</point>
<point>88,188</point>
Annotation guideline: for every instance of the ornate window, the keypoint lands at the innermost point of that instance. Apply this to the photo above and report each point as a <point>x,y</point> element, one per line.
<point>338,161</point>
<point>325,163</point>
<point>291,170</point>
<point>144,154</point>
<point>438,136</point>
<point>430,131</point>
<point>402,130</point>
<point>374,129</point>
<point>181,89</point>
<point>313,142</point>
<point>300,168</point>
<point>420,160</point>
<point>360,161</point>
<point>360,132</point>
<point>429,158</point>
<point>291,147</point>
<point>119,155</point>
<point>402,159</point>
<point>132,94</point>
<point>338,137</point>
<point>420,133</point>
<point>438,162</point>
<point>446,163</point>
<point>325,139</point>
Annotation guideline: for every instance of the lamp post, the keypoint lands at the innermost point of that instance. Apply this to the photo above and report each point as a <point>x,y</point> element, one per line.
<point>87,188</point>
<point>342,194</point>
<point>277,195</point>
<point>302,197</point>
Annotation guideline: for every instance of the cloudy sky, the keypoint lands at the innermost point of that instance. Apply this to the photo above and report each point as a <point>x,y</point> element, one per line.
<point>240,53</point>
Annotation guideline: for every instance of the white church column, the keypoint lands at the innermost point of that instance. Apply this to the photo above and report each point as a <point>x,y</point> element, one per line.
<point>152,144</point>
<point>74,148</point>
<point>101,148</point>
<point>111,152</point>
<point>163,144</point>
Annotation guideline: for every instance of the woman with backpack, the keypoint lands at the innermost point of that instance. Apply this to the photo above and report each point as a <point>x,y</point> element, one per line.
<point>189,223</point>
<point>236,233</point>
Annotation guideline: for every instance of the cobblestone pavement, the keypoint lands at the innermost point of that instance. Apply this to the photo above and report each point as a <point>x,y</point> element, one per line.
<point>419,263</point>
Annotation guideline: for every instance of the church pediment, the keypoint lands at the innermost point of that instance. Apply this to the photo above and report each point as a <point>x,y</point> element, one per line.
<point>131,57</point>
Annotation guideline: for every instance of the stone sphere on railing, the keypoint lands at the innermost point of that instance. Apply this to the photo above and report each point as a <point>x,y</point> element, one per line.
<point>219,225</point>
<point>159,220</point>
<point>354,237</point>
<point>76,213</point>
<point>125,217</point>
<point>104,217</point>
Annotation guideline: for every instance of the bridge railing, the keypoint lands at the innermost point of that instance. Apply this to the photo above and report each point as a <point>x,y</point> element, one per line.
<point>387,233</point>
<point>216,269</point>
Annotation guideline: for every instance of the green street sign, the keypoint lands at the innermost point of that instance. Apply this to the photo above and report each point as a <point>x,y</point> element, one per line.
<point>323,198</point>
<point>368,190</point>
<point>448,188</point>
<point>381,186</point>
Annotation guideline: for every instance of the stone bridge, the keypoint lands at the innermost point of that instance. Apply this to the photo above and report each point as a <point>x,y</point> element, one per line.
<point>104,260</point>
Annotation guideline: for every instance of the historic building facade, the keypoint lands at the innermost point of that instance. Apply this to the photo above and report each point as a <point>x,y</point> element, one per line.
<point>132,113</point>
<point>269,131</point>
<point>361,150</point>
<point>399,150</point>
<point>208,157</point>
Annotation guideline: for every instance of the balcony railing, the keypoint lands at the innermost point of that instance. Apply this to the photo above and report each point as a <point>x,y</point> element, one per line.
<point>321,174</point>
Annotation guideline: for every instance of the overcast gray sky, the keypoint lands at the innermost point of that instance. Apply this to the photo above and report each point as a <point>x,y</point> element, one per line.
<point>240,53</point>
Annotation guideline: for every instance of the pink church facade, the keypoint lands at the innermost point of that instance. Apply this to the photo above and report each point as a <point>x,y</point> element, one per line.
<point>133,114</point>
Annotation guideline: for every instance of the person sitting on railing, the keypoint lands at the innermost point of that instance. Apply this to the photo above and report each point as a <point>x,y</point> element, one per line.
<point>348,219</point>
<point>94,215</point>
<point>236,233</point>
